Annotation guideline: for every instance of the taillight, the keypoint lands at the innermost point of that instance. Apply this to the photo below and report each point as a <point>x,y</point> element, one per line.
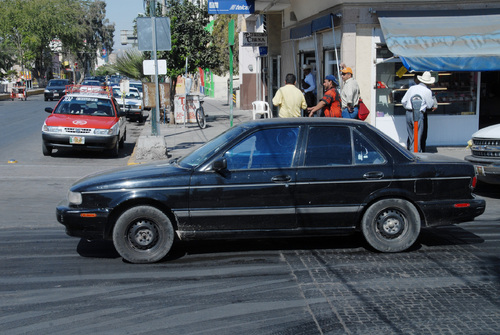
<point>473,183</point>
<point>462,205</point>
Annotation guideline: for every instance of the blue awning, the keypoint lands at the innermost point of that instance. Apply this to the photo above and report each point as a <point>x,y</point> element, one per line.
<point>444,40</point>
<point>300,31</point>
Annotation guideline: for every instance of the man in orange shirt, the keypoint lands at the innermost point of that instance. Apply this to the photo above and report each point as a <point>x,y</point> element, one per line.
<point>330,102</point>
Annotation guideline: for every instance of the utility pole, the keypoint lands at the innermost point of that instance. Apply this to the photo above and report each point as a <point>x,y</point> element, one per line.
<point>154,111</point>
<point>230,37</point>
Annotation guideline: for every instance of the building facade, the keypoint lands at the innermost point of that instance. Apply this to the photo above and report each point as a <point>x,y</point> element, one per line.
<point>384,42</point>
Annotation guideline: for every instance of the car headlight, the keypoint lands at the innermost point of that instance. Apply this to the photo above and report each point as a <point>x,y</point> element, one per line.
<point>46,91</point>
<point>52,129</point>
<point>112,131</point>
<point>75,198</point>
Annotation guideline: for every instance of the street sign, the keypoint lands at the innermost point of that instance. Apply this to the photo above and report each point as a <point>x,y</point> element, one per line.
<point>254,39</point>
<point>145,30</point>
<point>231,6</point>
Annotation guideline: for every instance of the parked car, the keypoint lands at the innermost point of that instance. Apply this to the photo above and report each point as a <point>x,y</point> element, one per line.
<point>137,85</point>
<point>84,120</point>
<point>130,103</point>
<point>485,156</point>
<point>275,178</point>
<point>56,88</point>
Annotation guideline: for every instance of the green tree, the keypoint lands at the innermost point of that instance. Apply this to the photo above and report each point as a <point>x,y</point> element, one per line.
<point>32,25</point>
<point>220,35</point>
<point>190,40</point>
<point>130,65</point>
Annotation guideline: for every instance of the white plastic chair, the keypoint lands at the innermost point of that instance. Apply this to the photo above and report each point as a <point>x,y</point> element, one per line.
<point>261,108</point>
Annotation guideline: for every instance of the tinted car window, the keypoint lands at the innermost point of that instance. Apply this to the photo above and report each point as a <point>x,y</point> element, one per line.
<point>328,146</point>
<point>365,152</point>
<point>270,148</point>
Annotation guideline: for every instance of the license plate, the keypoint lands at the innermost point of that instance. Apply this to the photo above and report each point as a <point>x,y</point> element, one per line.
<point>479,170</point>
<point>77,140</point>
<point>56,94</point>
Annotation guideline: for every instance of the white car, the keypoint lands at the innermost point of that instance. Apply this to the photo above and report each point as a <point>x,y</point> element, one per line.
<point>130,103</point>
<point>485,156</point>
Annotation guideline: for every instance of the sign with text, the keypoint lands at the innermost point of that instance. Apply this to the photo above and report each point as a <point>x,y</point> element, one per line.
<point>231,6</point>
<point>254,39</point>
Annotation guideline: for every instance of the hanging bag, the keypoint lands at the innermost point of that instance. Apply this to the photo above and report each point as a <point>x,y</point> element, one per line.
<point>362,110</point>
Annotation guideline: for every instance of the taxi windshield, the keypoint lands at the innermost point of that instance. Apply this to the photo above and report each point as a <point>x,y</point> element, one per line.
<point>85,106</point>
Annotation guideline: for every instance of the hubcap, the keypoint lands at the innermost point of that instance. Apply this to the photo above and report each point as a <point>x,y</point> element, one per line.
<point>143,234</point>
<point>391,223</point>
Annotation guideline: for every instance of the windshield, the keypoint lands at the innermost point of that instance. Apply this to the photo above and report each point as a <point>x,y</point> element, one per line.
<point>210,148</point>
<point>85,106</point>
<point>138,86</point>
<point>58,83</point>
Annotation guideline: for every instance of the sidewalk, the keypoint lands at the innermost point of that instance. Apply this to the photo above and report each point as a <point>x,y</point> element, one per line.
<point>177,140</point>
<point>181,139</point>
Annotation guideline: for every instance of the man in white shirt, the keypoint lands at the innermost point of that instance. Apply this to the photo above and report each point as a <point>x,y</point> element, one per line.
<point>309,86</point>
<point>428,102</point>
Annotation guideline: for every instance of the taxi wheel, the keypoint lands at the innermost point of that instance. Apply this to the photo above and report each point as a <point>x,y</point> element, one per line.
<point>391,225</point>
<point>143,234</point>
<point>115,151</point>
<point>122,140</point>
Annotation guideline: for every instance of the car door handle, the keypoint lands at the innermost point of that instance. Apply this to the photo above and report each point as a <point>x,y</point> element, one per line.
<point>374,175</point>
<point>281,179</point>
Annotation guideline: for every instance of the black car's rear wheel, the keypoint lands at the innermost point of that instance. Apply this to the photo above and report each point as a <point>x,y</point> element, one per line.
<point>391,225</point>
<point>143,234</point>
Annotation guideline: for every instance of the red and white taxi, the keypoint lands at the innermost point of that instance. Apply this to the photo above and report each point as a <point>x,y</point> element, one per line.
<point>87,119</point>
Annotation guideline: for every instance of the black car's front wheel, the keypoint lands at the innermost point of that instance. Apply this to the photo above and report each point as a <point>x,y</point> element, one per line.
<point>391,225</point>
<point>143,234</point>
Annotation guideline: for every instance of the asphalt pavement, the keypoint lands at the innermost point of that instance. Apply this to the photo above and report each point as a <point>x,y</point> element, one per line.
<point>180,139</point>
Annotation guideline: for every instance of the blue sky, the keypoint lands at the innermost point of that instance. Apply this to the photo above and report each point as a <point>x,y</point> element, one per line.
<point>122,13</point>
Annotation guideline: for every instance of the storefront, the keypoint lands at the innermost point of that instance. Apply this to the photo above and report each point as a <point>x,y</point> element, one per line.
<point>456,46</point>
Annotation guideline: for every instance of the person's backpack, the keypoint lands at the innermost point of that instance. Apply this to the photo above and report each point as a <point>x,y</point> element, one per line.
<point>362,110</point>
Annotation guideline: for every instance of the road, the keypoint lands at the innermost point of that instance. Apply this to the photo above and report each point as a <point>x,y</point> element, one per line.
<point>448,283</point>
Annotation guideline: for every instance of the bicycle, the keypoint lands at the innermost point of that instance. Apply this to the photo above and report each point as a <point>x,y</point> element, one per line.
<point>200,116</point>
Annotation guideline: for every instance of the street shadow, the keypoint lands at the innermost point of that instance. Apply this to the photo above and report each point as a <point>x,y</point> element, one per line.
<point>429,237</point>
<point>97,249</point>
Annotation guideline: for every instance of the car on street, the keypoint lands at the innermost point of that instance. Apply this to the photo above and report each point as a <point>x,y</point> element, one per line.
<point>130,103</point>
<point>56,88</point>
<point>137,85</point>
<point>281,177</point>
<point>485,154</point>
<point>84,120</point>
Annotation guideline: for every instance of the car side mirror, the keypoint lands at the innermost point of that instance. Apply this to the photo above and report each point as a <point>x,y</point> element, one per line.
<point>49,110</point>
<point>220,164</point>
<point>122,114</point>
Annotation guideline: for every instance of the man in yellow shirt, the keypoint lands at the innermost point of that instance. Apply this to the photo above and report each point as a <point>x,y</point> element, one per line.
<point>289,98</point>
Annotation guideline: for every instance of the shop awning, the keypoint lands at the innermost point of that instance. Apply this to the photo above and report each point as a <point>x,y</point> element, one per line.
<point>444,40</point>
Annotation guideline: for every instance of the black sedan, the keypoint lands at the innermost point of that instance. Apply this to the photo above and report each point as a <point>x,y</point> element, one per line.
<point>275,178</point>
<point>56,88</point>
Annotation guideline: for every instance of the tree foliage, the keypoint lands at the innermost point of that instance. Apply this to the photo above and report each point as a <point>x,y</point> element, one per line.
<point>130,64</point>
<point>190,39</point>
<point>31,26</point>
<point>220,35</point>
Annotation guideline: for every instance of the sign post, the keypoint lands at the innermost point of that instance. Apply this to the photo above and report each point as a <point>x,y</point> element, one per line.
<point>230,37</point>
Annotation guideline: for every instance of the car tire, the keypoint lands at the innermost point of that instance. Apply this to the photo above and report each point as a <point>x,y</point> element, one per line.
<point>143,234</point>
<point>115,151</point>
<point>46,149</point>
<point>391,225</point>
<point>121,143</point>
<point>46,99</point>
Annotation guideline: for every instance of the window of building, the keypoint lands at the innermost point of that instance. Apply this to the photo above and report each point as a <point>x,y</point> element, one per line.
<point>456,92</point>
